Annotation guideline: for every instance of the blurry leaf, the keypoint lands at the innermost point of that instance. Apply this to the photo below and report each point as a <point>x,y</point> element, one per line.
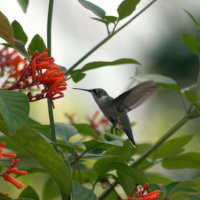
<point>95,156</point>
<point>83,193</point>
<point>50,190</point>
<point>29,192</point>
<point>110,19</point>
<point>77,75</point>
<point>191,96</point>
<point>43,129</point>
<point>155,77</point>
<point>5,29</point>
<point>99,20</point>
<point>62,69</point>
<point>3,197</point>
<point>98,64</point>
<point>19,45</point>
<point>92,7</point>
<point>36,145</point>
<point>123,155</point>
<point>85,129</point>
<point>196,22</point>
<point>37,44</point>
<point>65,131</point>
<point>192,43</point>
<point>23,4</point>
<point>18,32</point>
<point>102,144</point>
<point>172,147</point>
<point>158,178</point>
<point>126,8</point>
<point>142,148</point>
<point>14,107</point>
<point>127,182</point>
<point>187,160</point>
<point>135,174</point>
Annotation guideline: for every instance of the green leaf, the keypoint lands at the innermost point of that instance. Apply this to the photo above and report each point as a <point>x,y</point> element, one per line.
<point>172,147</point>
<point>102,144</point>
<point>6,29</point>
<point>196,22</point>
<point>38,148</point>
<point>110,19</point>
<point>135,174</point>
<point>29,192</point>
<point>192,43</point>
<point>18,32</point>
<point>98,64</point>
<point>23,4</point>
<point>37,44</point>
<point>3,197</point>
<point>50,190</point>
<point>65,131</point>
<point>123,155</point>
<point>62,69</point>
<point>14,107</point>
<point>92,7</point>
<point>83,193</point>
<point>158,178</point>
<point>85,129</point>
<point>77,75</point>
<point>191,96</point>
<point>187,160</point>
<point>126,8</point>
<point>19,45</point>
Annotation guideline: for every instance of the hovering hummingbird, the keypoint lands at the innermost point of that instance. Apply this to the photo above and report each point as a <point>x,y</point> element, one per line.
<point>115,110</point>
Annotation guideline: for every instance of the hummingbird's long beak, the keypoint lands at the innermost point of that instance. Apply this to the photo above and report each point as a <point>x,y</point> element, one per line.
<point>87,90</point>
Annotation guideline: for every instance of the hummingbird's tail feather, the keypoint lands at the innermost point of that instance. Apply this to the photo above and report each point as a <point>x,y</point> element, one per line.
<point>130,137</point>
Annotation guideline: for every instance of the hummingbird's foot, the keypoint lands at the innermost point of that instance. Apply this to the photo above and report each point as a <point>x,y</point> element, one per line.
<point>115,130</point>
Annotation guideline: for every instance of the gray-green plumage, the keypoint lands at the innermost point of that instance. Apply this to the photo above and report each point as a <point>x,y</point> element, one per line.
<point>116,109</point>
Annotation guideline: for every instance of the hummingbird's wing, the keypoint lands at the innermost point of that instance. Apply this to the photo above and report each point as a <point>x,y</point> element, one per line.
<point>135,96</point>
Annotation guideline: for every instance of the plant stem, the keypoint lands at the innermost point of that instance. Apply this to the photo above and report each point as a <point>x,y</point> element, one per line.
<point>169,133</point>
<point>108,37</point>
<point>50,109</point>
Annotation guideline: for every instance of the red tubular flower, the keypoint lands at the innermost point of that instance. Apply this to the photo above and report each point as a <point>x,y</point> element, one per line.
<point>2,145</point>
<point>143,195</point>
<point>39,71</point>
<point>12,180</point>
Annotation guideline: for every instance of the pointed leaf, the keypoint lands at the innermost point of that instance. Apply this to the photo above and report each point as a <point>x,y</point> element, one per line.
<point>83,193</point>
<point>5,29</point>
<point>192,43</point>
<point>85,129</point>
<point>23,4</point>
<point>94,8</point>
<point>158,178</point>
<point>37,44</point>
<point>38,148</point>
<point>196,22</point>
<point>187,160</point>
<point>191,96</point>
<point>29,192</point>
<point>77,75</point>
<point>98,64</point>
<point>126,8</point>
<point>19,45</point>
<point>65,131</point>
<point>18,32</point>
<point>110,19</point>
<point>135,174</point>
<point>14,107</point>
<point>172,147</point>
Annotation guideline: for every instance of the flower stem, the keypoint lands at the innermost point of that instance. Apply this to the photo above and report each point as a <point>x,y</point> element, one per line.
<point>50,109</point>
<point>168,134</point>
<point>108,37</point>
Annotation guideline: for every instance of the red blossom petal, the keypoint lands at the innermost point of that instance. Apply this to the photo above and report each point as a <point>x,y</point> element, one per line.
<point>12,180</point>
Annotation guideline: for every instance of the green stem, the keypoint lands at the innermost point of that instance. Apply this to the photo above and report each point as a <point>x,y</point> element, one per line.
<point>168,134</point>
<point>49,102</point>
<point>108,37</point>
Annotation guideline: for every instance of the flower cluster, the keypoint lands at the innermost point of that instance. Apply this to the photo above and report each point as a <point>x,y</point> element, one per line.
<point>12,64</point>
<point>11,168</point>
<point>143,195</point>
<point>40,70</point>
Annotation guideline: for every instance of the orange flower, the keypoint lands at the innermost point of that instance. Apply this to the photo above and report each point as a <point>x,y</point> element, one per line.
<point>11,168</point>
<point>143,195</point>
<point>39,71</point>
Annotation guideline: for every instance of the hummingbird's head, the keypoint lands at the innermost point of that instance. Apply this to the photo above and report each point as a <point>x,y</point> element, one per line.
<point>96,93</point>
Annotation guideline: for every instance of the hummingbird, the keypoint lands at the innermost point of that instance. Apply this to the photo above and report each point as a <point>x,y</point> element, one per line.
<point>116,109</point>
